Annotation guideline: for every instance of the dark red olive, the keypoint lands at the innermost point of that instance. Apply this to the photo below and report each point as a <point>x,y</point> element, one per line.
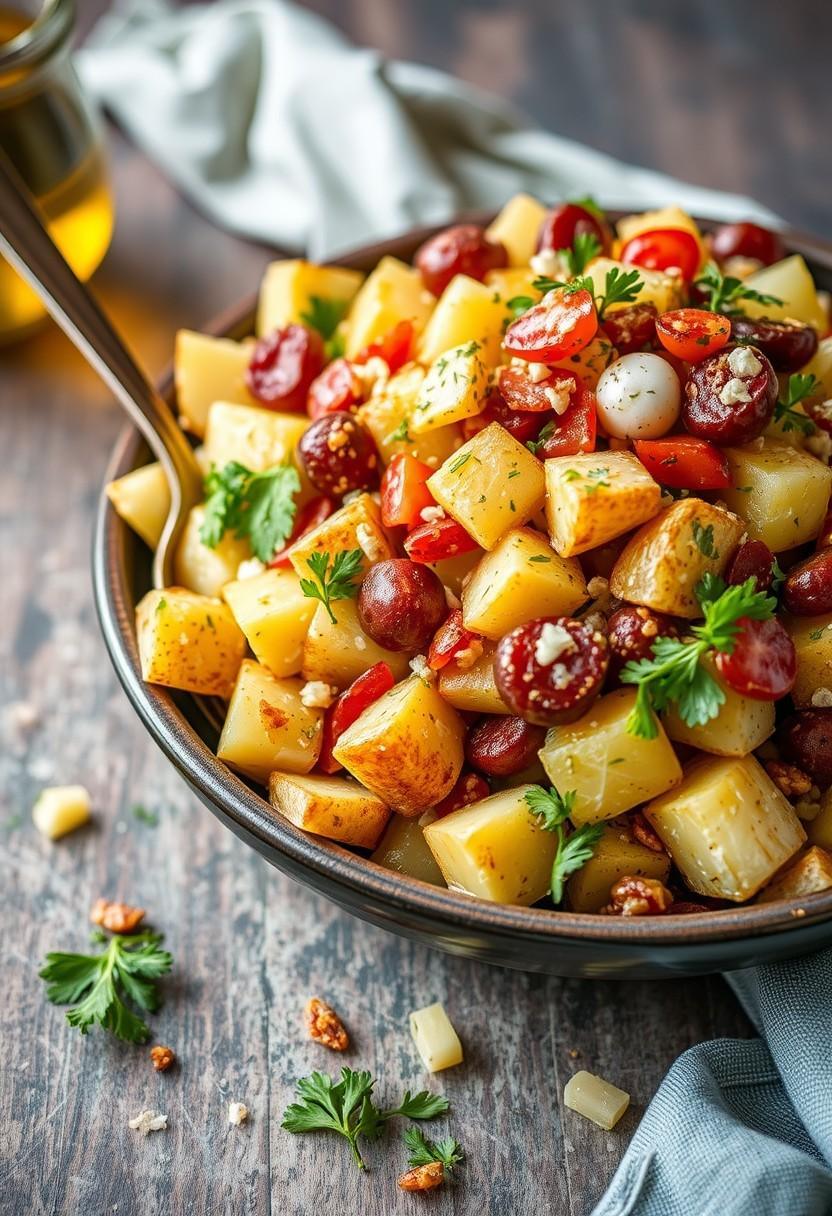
<point>463,249</point>
<point>753,559</point>
<point>500,746</point>
<point>568,220</point>
<point>523,426</point>
<point>339,454</point>
<point>787,345</point>
<point>632,631</point>
<point>714,404</point>
<point>547,685</point>
<point>808,589</point>
<point>747,240</point>
<point>401,605</point>
<point>632,329</point>
<point>806,740</point>
<point>283,365</point>
<point>763,663</point>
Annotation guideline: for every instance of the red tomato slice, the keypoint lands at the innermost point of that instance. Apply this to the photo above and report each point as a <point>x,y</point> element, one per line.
<point>395,347</point>
<point>449,639</point>
<point>684,462</point>
<point>763,664</point>
<point>470,787</point>
<point>524,394</point>
<point>403,491</point>
<point>307,518</point>
<point>522,425</point>
<point>344,710</point>
<point>692,334</point>
<point>574,431</point>
<point>432,542</point>
<point>337,388</point>
<point>563,323</point>
<point>662,248</point>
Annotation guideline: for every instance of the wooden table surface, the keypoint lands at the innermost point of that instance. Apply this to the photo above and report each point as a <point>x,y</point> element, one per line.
<point>727,95</point>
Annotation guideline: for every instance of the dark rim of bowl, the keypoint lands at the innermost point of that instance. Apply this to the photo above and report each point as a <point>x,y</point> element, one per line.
<point>249,815</point>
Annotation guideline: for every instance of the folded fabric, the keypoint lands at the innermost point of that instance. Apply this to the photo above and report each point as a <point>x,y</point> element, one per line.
<point>278,128</point>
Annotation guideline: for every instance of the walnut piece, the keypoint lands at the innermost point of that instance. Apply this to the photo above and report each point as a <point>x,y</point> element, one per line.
<point>325,1026</point>
<point>644,834</point>
<point>162,1057</point>
<point>423,1177</point>
<point>237,1113</point>
<point>148,1121</point>
<point>789,779</point>
<point>633,896</point>
<point>116,917</point>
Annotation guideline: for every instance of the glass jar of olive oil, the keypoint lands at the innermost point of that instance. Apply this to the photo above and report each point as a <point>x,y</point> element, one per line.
<point>50,133</point>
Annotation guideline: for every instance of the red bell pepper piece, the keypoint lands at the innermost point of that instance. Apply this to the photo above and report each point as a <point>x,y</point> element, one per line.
<point>684,462</point>
<point>444,538</point>
<point>394,347</point>
<point>573,431</point>
<point>350,705</point>
<point>307,518</point>
<point>403,491</point>
<point>449,639</point>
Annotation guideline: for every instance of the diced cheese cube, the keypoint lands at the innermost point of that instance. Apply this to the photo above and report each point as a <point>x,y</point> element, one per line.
<point>593,497</point>
<point>61,809</point>
<point>436,1040</point>
<point>595,1099</point>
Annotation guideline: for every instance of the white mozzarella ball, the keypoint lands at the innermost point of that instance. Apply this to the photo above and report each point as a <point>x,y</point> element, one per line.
<point>638,397</point>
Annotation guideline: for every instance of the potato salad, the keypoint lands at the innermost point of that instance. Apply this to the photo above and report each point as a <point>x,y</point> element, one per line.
<point>514,566</point>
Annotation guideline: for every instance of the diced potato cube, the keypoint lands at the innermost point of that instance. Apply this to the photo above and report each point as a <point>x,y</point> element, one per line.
<point>61,809</point>
<point>388,416</point>
<point>791,281</point>
<point>329,806</point>
<point>357,525</point>
<point>467,311</point>
<point>518,227</point>
<point>288,287</point>
<point>661,566</point>
<point>205,570</point>
<point>780,492</point>
<point>275,616</point>
<point>392,293</point>
<point>740,727</point>
<point>403,848</point>
<point>521,579</point>
<point>511,282</point>
<point>406,747</point>
<point>808,874</point>
<point>257,438</point>
<point>339,653</point>
<point>454,388</point>
<point>812,637</point>
<point>727,827</point>
<point>820,366</point>
<point>595,496</point>
<point>473,689</point>
<point>188,641</point>
<point>664,290</point>
<point>453,571</point>
<point>820,829</point>
<point>492,484</point>
<point>142,499</point>
<point>588,364</point>
<point>665,217</point>
<point>494,849</point>
<point>610,770</point>
<point>596,1099</point>
<point>436,1040</point>
<point>206,370</point>
<point>615,856</point>
<point>268,728</point>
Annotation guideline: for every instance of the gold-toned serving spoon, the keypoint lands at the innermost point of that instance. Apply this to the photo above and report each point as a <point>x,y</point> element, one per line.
<point>30,249</point>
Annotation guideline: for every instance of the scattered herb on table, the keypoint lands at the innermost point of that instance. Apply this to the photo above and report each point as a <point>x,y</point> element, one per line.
<point>423,1151</point>
<point>552,809</point>
<point>335,582</point>
<point>260,506</point>
<point>145,815</point>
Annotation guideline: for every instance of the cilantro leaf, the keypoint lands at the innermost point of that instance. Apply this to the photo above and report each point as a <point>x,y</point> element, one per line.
<point>726,291</point>
<point>335,582</point>
<point>799,388</point>
<point>259,506</point>
<point>422,1151</point>
<point>552,809</point>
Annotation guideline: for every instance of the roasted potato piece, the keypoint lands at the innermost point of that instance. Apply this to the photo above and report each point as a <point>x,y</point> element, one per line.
<point>406,747</point>
<point>595,496</point>
<point>780,492</point>
<point>287,289</point>
<point>812,637</point>
<point>453,571</point>
<point>357,525</point>
<point>388,415</point>
<point>329,806</point>
<point>610,770</point>
<point>492,484</point>
<point>467,311</point>
<point>403,848</point>
<point>188,641</point>
<point>205,570</point>
<point>393,292</point>
<point>142,499</point>
<point>820,829</point>
<point>494,849</point>
<point>339,653</point>
<point>206,370</point>
<point>521,579</point>
<point>809,873</point>
<point>664,290</point>
<point>615,855</point>
<point>740,727</point>
<point>512,281</point>
<point>791,281</point>
<point>255,437</point>
<point>275,616</point>
<point>268,727</point>
<point>473,689</point>
<point>517,227</point>
<point>454,388</point>
<point>820,366</point>
<point>662,564</point>
<point>727,827</point>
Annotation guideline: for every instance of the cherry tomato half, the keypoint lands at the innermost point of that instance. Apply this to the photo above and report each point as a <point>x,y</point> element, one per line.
<point>692,333</point>
<point>404,494</point>
<point>395,347</point>
<point>574,431</point>
<point>564,223</point>
<point>763,664</point>
<point>684,462</point>
<point>344,710</point>
<point>662,248</point>
<point>432,542</point>
<point>336,389</point>
<point>449,639</point>
<point>563,323</point>
<point>522,393</point>
<point>307,518</point>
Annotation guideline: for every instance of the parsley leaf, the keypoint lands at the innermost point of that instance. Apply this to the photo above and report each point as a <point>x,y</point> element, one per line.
<point>585,247</point>
<point>401,433</point>
<point>423,1151</point>
<point>324,315</point>
<point>552,809</point>
<point>704,539</point>
<point>589,204</point>
<point>726,292</point>
<point>97,985</point>
<point>517,305</point>
<point>335,583</point>
<point>260,506</point>
<point>423,1105</point>
<point>800,387</point>
<point>620,287</point>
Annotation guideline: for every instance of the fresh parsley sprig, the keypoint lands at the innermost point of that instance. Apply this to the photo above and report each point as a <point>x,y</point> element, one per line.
<point>675,673</point>
<point>334,578</point>
<point>799,388</point>
<point>726,292</point>
<point>585,247</point>
<point>260,506</point>
<point>552,810</point>
<point>424,1151</point>
<point>620,287</point>
<point>325,315</point>
<point>98,986</point>
<point>347,1107</point>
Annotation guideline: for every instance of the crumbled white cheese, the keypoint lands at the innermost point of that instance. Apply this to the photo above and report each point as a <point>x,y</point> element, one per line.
<point>549,264</point>
<point>734,391</point>
<point>148,1121</point>
<point>537,372</point>
<point>820,445</point>
<point>560,675</point>
<point>468,655</point>
<point>432,514</point>
<point>743,362</point>
<point>315,694</point>
<point>371,375</point>
<point>360,643</point>
<point>369,543</point>
<point>419,666</point>
<point>250,568</point>
<point>822,698</point>
<point>553,641</point>
<point>740,267</point>
<point>237,1113</point>
<point>451,600</point>
<point>558,394</point>
<point>598,586</point>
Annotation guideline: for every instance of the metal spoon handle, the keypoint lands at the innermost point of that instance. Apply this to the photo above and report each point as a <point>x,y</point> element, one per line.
<point>30,249</point>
